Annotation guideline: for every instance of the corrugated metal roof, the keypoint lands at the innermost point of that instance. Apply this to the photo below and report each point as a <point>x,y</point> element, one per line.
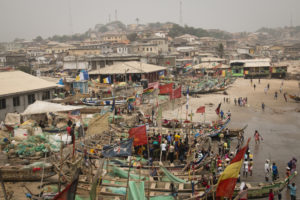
<point>14,82</point>
<point>132,67</point>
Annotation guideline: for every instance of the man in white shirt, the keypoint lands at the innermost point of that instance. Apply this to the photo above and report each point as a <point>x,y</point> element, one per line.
<point>163,147</point>
<point>267,170</point>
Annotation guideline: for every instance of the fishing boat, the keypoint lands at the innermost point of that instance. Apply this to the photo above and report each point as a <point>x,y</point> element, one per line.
<point>294,97</point>
<point>23,173</point>
<point>256,191</point>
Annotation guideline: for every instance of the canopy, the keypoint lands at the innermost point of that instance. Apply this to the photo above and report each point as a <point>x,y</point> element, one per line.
<point>40,107</point>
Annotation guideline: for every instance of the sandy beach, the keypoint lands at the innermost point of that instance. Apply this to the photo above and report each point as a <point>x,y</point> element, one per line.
<point>278,124</point>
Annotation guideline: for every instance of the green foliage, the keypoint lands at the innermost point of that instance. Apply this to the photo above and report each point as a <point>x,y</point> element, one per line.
<point>38,39</point>
<point>132,37</point>
<point>178,30</point>
<point>65,38</point>
<point>220,50</point>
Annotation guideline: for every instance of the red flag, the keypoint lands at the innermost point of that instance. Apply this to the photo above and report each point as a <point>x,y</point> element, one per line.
<point>218,109</point>
<point>69,192</point>
<point>228,178</point>
<point>201,109</point>
<point>176,93</point>
<point>166,89</point>
<point>139,135</point>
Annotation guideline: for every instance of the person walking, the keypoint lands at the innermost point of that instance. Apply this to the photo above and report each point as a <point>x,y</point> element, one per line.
<point>263,106</point>
<point>234,101</point>
<point>285,98</point>
<point>259,81</point>
<point>257,137</point>
<point>274,172</point>
<point>254,86</point>
<point>163,147</point>
<point>266,90</point>
<point>171,152</point>
<point>293,189</point>
<point>275,95</point>
<point>268,86</point>
<point>267,170</point>
<point>271,194</point>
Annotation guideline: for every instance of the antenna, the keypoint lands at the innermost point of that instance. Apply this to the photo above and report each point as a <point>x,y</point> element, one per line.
<point>291,22</point>
<point>116,15</point>
<point>180,13</point>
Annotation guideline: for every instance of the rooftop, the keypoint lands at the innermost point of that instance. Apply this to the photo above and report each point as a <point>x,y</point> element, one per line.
<point>132,67</point>
<point>15,82</point>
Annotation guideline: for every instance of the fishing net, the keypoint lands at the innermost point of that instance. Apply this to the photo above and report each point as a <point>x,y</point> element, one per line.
<point>136,191</point>
<point>162,198</point>
<point>171,177</point>
<point>117,190</point>
<point>124,174</point>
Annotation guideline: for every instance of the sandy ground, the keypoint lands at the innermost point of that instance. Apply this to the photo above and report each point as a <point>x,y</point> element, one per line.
<point>279,124</point>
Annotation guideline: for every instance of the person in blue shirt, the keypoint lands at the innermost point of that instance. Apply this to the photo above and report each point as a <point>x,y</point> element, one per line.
<point>275,172</point>
<point>293,189</point>
<point>222,114</point>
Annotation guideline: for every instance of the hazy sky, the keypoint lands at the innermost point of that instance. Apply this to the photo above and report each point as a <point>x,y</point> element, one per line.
<point>30,18</point>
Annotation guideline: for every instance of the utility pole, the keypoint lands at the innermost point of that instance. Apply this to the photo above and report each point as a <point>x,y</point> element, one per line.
<point>116,15</point>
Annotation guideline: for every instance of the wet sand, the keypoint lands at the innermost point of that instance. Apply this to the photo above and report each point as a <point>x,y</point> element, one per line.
<point>279,124</point>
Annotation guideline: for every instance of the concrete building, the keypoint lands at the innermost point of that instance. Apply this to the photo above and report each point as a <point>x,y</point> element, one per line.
<point>118,37</point>
<point>19,89</point>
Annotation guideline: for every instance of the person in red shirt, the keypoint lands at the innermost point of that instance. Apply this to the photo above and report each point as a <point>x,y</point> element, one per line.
<point>69,130</point>
<point>271,195</point>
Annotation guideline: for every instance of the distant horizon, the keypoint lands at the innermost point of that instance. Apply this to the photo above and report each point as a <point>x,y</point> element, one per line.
<point>68,34</point>
<point>31,18</point>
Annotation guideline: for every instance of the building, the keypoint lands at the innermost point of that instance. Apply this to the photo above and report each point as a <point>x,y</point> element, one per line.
<point>59,48</point>
<point>252,68</point>
<point>128,71</point>
<point>75,63</point>
<point>189,38</point>
<point>144,49</point>
<point>101,61</point>
<point>16,60</point>
<point>19,89</point>
<point>114,37</point>
<point>278,70</point>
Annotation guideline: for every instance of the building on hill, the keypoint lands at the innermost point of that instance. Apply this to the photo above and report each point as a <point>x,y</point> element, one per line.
<point>19,89</point>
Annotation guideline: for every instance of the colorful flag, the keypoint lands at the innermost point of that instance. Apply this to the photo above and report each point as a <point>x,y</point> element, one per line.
<point>228,178</point>
<point>176,93</point>
<point>218,109</point>
<point>166,89</point>
<point>161,74</point>
<point>139,135</point>
<point>121,149</point>
<point>148,90</point>
<point>107,80</point>
<point>201,109</point>
<point>155,85</point>
<point>61,82</point>
<point>77,78</point>
<point>69,192</point>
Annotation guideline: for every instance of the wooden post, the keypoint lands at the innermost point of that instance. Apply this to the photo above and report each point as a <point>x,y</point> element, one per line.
<point>61,164</point>
<point>128,177</point>
<point>3,187</point>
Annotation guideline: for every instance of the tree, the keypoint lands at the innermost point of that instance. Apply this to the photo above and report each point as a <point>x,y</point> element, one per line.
<point>220,50</point>
<point>132,37</point>
<point>38,39</point>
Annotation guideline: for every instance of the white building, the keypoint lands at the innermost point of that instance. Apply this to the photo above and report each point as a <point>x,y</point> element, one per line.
<point>19,89</point>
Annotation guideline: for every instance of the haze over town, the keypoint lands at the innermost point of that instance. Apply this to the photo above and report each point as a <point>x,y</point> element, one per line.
<point>30,18</point>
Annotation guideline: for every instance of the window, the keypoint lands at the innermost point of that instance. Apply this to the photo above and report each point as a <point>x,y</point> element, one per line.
<point>16,101</point>
<point>2,104</point>
<point>46,95</point>
<point>31,98</point>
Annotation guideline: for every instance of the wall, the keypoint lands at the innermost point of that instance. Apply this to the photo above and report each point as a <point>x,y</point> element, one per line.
<point>23,102</point>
